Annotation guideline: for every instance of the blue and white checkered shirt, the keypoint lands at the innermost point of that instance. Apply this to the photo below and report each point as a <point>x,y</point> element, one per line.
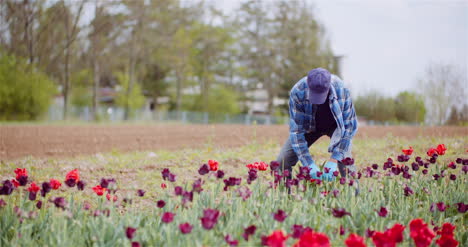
<point>302,120</point>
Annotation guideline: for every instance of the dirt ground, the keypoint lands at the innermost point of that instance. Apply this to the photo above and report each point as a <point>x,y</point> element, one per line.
<point>18,141</point>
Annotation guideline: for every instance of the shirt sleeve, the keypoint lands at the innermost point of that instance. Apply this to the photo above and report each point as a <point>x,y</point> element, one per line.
<point>350,125</point>
<point>296,132</point>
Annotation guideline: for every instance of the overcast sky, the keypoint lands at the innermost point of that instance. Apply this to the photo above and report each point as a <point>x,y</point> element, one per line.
<point>388,43</point>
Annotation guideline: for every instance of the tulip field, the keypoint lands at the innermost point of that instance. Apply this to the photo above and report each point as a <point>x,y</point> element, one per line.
<point>412,192</point>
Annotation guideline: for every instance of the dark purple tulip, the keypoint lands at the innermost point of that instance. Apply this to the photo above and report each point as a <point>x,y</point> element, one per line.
<point>60,202</point>
<point>185,228</point>
<point>275,166</point>
<point>415,166</point>
<point>359,175</point>
<point>286,173</point>
<point>382,212</point>
<point>178,190</point>
<point>32,196</point>
<point>210,218</point>
<point>436,176</point>
<point>403,158</point>
<point>465,162</point>
<point>441,206</point>
<point>465,169</point>
<point>165,173</point>
<point>462,207</point>
<point>249,231</point>
<point>127,200</point>
<point>39,204</point>
<point>426,165</point>
<point>171,177</point>
<point>81,185</point>
<point>406,175</point>
<point>297,231</point>
<point>252,175</point>
<point>459,160</point>
<point>442,173</point>
<point>369,233</point>
<point>220,174</point>
<point>130,232</point>
<point>342,180</point>
<point>340,212</point>
<point>160,203</point>
<point>433,159</point>
<point>70,182</point>
<point>23,180</point>
<point>7,188</point>
<point>424,171</point>
<point>335,173</point>
<point>280,215</point>
<point>418,159</point>
<point>141,192</point>
<point>167,217</point>
<point>408,191</point>
<point>453,177</point>
<point>204,169</point>
<point>232,181</point>
<point>351,182</point>
<point>375,166</point>
<point>335,192</point>
<point>342,230</point>
<point>452,165</point>
<point>197,185</point>
<point>187,196</point>
<point>348,161</point>
<point>396,170</point>
<point>231,241</point>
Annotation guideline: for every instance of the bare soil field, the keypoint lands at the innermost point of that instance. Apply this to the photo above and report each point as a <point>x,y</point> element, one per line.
<point>18,141</point>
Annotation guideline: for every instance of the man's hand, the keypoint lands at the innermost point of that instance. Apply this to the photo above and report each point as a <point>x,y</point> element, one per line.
<point>328,171</point>
<point>313,171</point>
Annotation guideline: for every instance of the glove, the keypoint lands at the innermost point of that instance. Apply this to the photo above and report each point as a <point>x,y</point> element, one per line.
<point>313,171</point>
<point>328,171</point>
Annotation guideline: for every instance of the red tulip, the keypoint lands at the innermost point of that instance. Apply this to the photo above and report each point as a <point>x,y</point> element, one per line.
<point>55,184</point>
<point>355,240</point>
<point>420,233</point>
<point>99,190</point>
<point>313,239</point>
<point>280,215</point>
<point>213,165</point>
<point>74,174</point>
<point>441,149</point>
<point>408,151</point>
<point>431,152</point>
<point>163,186</point>
<point>33,188</point>
<point>276,239</point>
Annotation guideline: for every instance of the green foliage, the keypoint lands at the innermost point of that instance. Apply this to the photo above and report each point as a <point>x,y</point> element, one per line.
<point>81,90</point>
<point>25,92</point>
<point>221,99</point>
<point>133,98</point>
<point>410,108</point>
<point>458,117</point>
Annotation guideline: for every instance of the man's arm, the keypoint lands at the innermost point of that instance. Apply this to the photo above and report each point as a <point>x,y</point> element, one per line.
<point>296,132</point>
<point>350,125</point>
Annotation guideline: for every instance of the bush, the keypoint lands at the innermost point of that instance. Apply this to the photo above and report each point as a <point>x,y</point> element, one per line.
<point>25,92</point>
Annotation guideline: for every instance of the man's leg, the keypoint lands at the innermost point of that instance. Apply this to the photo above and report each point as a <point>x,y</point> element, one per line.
<point>288,158</point>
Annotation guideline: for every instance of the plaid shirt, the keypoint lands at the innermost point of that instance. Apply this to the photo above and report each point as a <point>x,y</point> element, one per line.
<point>302,120</point>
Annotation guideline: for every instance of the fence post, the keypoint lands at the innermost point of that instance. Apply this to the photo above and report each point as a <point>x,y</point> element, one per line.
<point>205,117</point>
<point>247,119</point>
<point>184,117</point>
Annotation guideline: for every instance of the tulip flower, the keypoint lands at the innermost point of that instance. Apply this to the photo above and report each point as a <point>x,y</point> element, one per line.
<point>355,240</point>
<point>231,241</point>
<point>160,203</point>
<point>382,212</point>
<point>275,239</point>
<point>210,218</point>
<point>185,228</point>
<point>408,151</point>
<point>340,212</point>
<point>248,232</point>
<point>311,238</point>
<point>280,215</point>
<point>213,164</point>
<point>167,217</point>
<point>130,232</point>
<point>204,169</point>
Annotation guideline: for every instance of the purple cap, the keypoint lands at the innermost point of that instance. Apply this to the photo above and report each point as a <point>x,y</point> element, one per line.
<point>318,81</point>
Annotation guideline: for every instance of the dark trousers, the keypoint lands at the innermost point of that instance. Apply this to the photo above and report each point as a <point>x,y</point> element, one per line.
<point>288,158</point>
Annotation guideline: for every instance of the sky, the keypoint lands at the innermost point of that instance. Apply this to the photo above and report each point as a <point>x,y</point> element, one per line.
<point>387,44</point>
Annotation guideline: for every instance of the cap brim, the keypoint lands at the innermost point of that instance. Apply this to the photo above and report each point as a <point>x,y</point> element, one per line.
<point>317,98</point>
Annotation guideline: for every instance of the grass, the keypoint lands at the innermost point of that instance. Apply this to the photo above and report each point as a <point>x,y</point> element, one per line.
<point>142,170</point>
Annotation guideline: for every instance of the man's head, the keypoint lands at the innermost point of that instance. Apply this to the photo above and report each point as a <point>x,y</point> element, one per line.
<point>318,81</point>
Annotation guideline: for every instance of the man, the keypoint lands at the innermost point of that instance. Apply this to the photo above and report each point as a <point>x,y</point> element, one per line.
<point>319,104</point>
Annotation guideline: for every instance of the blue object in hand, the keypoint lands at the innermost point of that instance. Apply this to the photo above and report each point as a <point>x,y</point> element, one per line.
<point>313,171</point>
<point>328,171</point>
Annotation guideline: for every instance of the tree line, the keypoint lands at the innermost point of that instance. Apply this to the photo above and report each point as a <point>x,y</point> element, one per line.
<point>161,48</point>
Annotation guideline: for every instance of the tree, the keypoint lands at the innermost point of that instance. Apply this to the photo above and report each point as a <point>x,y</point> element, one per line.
<point>375,107</point>
<point>25,92</point>
<point>132,98</point>
<point>458,117</point>
<point>409,107</point>
<point>443,86</point>
<point>154,84</point>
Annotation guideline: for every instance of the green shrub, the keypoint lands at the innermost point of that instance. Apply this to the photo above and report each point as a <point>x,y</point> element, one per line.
<point>25,92</point>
